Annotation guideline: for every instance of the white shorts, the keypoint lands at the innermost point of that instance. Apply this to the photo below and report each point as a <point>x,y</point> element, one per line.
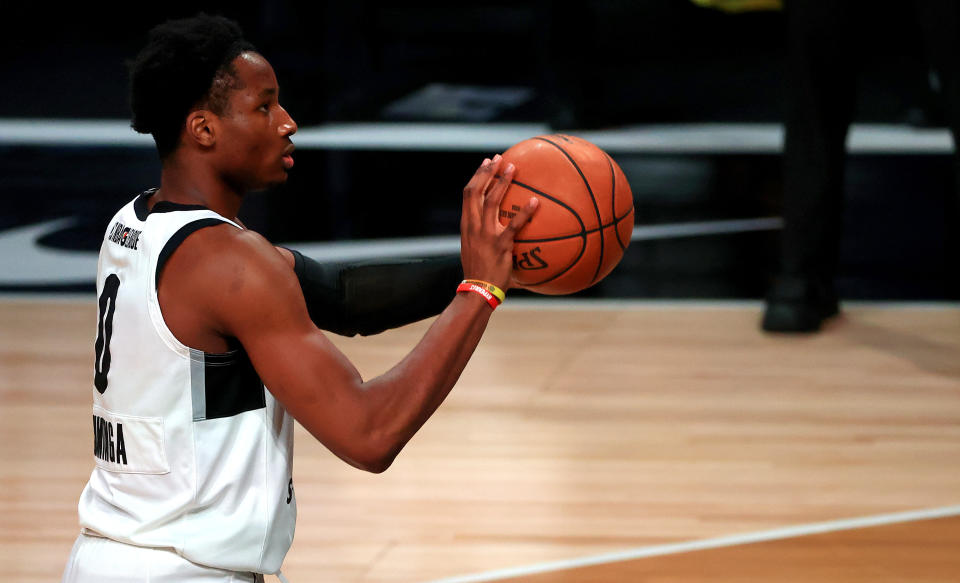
<point>96,559</point>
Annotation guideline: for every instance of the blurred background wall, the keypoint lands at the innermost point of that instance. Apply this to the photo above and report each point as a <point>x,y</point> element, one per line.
<point>604,66</point>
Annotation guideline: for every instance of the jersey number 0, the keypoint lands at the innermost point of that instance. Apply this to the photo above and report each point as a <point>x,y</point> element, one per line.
<point>108,305</point>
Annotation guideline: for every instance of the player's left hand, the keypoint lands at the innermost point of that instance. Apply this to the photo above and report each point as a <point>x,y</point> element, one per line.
<point>486,246</point>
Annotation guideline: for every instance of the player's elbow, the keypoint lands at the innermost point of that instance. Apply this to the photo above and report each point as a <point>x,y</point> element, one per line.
<point>363,450</point>
<point>378,466</point>
<point>374,451</point>
<point>372,459</point>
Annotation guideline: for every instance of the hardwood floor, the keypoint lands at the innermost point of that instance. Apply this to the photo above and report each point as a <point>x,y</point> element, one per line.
<point>915,551</point>
<point>572,432</point>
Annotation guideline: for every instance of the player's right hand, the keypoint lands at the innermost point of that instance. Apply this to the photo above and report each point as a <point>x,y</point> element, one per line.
<point>486,246</point>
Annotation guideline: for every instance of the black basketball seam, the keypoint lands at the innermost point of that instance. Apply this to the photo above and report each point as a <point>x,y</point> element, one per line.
<point>582,235</point>
<point>596,207</point>
<point>583,228</point>
<point>613,199</point>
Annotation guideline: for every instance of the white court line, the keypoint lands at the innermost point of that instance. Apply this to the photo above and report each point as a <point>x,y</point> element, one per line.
<point>713,543</point>
<point>703,138</point>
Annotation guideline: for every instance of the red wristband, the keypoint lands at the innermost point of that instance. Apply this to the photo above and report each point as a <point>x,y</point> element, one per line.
<point>471,287</point>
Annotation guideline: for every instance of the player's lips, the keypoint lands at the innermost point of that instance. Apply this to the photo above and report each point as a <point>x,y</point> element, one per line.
<point>288,157</point>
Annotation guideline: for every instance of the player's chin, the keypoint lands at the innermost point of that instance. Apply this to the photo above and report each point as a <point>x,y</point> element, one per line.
<point>279,177</point>
<point>271,183</point>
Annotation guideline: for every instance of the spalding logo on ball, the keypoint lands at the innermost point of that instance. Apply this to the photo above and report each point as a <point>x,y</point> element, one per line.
<point>585,219</point>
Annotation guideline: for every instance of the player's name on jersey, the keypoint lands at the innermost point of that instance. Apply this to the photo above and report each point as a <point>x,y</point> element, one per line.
<point>128,444</point>
<point>123,235</point>
<point>108,443</point>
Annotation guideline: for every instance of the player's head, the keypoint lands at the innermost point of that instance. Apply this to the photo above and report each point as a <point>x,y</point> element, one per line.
<point>198,85</point>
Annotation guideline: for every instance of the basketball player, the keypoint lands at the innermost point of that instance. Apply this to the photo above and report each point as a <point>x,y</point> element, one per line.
<point>197,315</point>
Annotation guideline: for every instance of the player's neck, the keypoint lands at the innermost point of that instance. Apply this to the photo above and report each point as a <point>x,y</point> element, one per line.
<point>198,185</point>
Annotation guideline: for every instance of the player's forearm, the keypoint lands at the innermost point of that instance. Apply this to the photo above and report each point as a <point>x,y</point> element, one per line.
<point>402,399</point>
<point>367,423</point>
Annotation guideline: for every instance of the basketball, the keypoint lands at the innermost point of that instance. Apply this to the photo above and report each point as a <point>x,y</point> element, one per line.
<point>585,219</point>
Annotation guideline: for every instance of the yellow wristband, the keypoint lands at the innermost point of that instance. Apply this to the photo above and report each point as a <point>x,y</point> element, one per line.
<point>497,292</point>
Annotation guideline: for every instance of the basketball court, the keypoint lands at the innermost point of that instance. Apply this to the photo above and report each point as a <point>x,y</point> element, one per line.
<point>596,438</point>
<point>641,430</point>
<point>586,441</point>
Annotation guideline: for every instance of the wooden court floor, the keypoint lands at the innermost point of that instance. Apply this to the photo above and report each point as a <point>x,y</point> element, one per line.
<point>574,432</point>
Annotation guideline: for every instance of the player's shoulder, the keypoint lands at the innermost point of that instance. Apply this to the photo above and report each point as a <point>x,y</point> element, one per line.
<point>229,278</point>
<point>222,258</point>
<point>225,236</point>
<point>226,246</point>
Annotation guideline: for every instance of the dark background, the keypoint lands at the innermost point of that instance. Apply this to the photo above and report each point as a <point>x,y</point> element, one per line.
<point>580,66</point>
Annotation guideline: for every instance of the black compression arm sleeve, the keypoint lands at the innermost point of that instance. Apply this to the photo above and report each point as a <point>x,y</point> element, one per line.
<point>370,297</point>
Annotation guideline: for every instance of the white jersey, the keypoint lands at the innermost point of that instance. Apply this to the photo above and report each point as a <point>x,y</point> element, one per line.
<point>192,452</point>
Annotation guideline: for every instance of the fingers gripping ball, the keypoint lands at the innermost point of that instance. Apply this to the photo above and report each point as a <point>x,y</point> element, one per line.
<point>585,218</point>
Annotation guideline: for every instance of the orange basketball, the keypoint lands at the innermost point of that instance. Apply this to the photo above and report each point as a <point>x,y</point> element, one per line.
<point>585,219</point>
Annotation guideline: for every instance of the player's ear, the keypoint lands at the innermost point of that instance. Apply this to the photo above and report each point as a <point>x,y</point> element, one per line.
<point>201,127</point>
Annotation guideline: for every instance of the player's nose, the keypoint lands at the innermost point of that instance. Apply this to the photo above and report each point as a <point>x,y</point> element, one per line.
<point>287,127</point>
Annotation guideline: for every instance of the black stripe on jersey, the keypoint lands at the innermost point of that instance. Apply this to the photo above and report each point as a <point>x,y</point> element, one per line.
<point>178,238</point>
<point>231,385</point>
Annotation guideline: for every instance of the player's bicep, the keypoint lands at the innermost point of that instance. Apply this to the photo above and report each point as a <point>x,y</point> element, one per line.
<point>264,309</point>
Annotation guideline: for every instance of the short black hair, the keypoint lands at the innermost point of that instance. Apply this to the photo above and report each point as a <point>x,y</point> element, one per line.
<point>185,63</point>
